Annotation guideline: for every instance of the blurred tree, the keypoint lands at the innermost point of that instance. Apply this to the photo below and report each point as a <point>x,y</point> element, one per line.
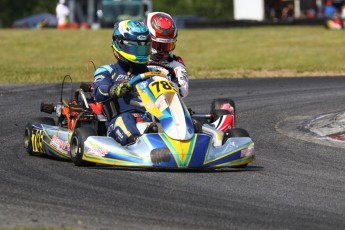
<point>11,10</point>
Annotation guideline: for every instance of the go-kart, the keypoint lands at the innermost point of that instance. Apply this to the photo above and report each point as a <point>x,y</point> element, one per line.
<point>174,137</point>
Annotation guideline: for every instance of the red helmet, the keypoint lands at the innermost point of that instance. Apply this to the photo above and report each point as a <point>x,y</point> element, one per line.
<point>163,32</point>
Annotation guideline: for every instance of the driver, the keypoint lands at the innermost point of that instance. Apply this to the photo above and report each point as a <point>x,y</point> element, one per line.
<point>131,45</point>
<point>163,33</point>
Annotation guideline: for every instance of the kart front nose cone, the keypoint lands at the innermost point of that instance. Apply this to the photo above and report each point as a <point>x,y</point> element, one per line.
<point>160,155</point>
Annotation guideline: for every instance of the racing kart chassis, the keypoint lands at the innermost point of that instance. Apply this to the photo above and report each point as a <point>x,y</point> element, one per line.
<point>174,138</point>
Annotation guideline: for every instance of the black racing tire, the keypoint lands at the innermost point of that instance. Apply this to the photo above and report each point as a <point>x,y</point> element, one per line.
<point>236,132</point>
<point>28,132</point>
<point>78,138</point>
<point>101,129</point>
<point>216,108</point>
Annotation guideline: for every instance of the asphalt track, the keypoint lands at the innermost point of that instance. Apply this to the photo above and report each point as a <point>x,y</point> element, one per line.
<point>295,182</point>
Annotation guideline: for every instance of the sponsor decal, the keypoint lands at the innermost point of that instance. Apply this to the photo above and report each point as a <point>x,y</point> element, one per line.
<point>161,103</point>
<point>99,78</point>
<point>150,105</point>
<point>119,134</point>
<point>142,37</point>
<point>163,40</point>
<point>97,152</point>
<point>232,143</point>
<point>247,152</point>
<point>60,145</point>
<point>123,77</point>
<point>182,74</point>
<point>143,85</point>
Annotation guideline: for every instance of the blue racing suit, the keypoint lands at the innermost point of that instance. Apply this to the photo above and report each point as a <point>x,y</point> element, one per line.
<point>121,120</point>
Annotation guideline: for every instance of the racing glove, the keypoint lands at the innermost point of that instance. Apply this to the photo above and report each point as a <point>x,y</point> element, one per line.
<point>121,90</point>
<point>182,79</point>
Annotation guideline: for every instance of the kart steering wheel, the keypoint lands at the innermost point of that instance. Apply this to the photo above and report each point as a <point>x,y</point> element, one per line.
<point>141,77</point>
<point>160,64</point>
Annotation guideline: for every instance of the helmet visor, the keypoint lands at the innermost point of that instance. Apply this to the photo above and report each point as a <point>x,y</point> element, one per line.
<point>136,48</point>
<point>163,46</point>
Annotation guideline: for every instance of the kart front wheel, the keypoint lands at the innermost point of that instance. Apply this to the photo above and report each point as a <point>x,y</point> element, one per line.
<point>77,145</point>
<point>38,138</point>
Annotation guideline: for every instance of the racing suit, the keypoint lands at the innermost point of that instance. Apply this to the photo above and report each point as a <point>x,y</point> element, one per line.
<point>121,116</point>
<point>176,63</point>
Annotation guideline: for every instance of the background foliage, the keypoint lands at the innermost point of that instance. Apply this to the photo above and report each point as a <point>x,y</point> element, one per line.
<point>11,10</point>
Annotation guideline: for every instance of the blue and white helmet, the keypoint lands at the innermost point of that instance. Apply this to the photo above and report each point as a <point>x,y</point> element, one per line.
<point>131,42</point>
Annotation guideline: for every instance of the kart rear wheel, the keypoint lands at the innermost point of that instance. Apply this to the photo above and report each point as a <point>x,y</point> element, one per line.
<point>78,138</point>
<point>217,108</point>
<point>236,132</point>
<point>28,132</point>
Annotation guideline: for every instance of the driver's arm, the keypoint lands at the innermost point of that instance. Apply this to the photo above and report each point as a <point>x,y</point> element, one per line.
<point>102,82</point>
<point>182,79</point>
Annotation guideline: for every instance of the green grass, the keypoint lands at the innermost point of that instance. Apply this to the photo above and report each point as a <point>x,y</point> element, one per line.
<point>48,55</point>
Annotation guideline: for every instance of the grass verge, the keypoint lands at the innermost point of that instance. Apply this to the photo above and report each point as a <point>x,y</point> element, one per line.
<point>48,55</point>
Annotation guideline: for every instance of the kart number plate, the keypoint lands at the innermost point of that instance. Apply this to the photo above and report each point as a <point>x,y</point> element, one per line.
<point>159,87</point>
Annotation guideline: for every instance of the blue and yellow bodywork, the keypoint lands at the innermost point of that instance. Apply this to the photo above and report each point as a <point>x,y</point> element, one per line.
<point>159,150</point>
<point>151,150</point>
